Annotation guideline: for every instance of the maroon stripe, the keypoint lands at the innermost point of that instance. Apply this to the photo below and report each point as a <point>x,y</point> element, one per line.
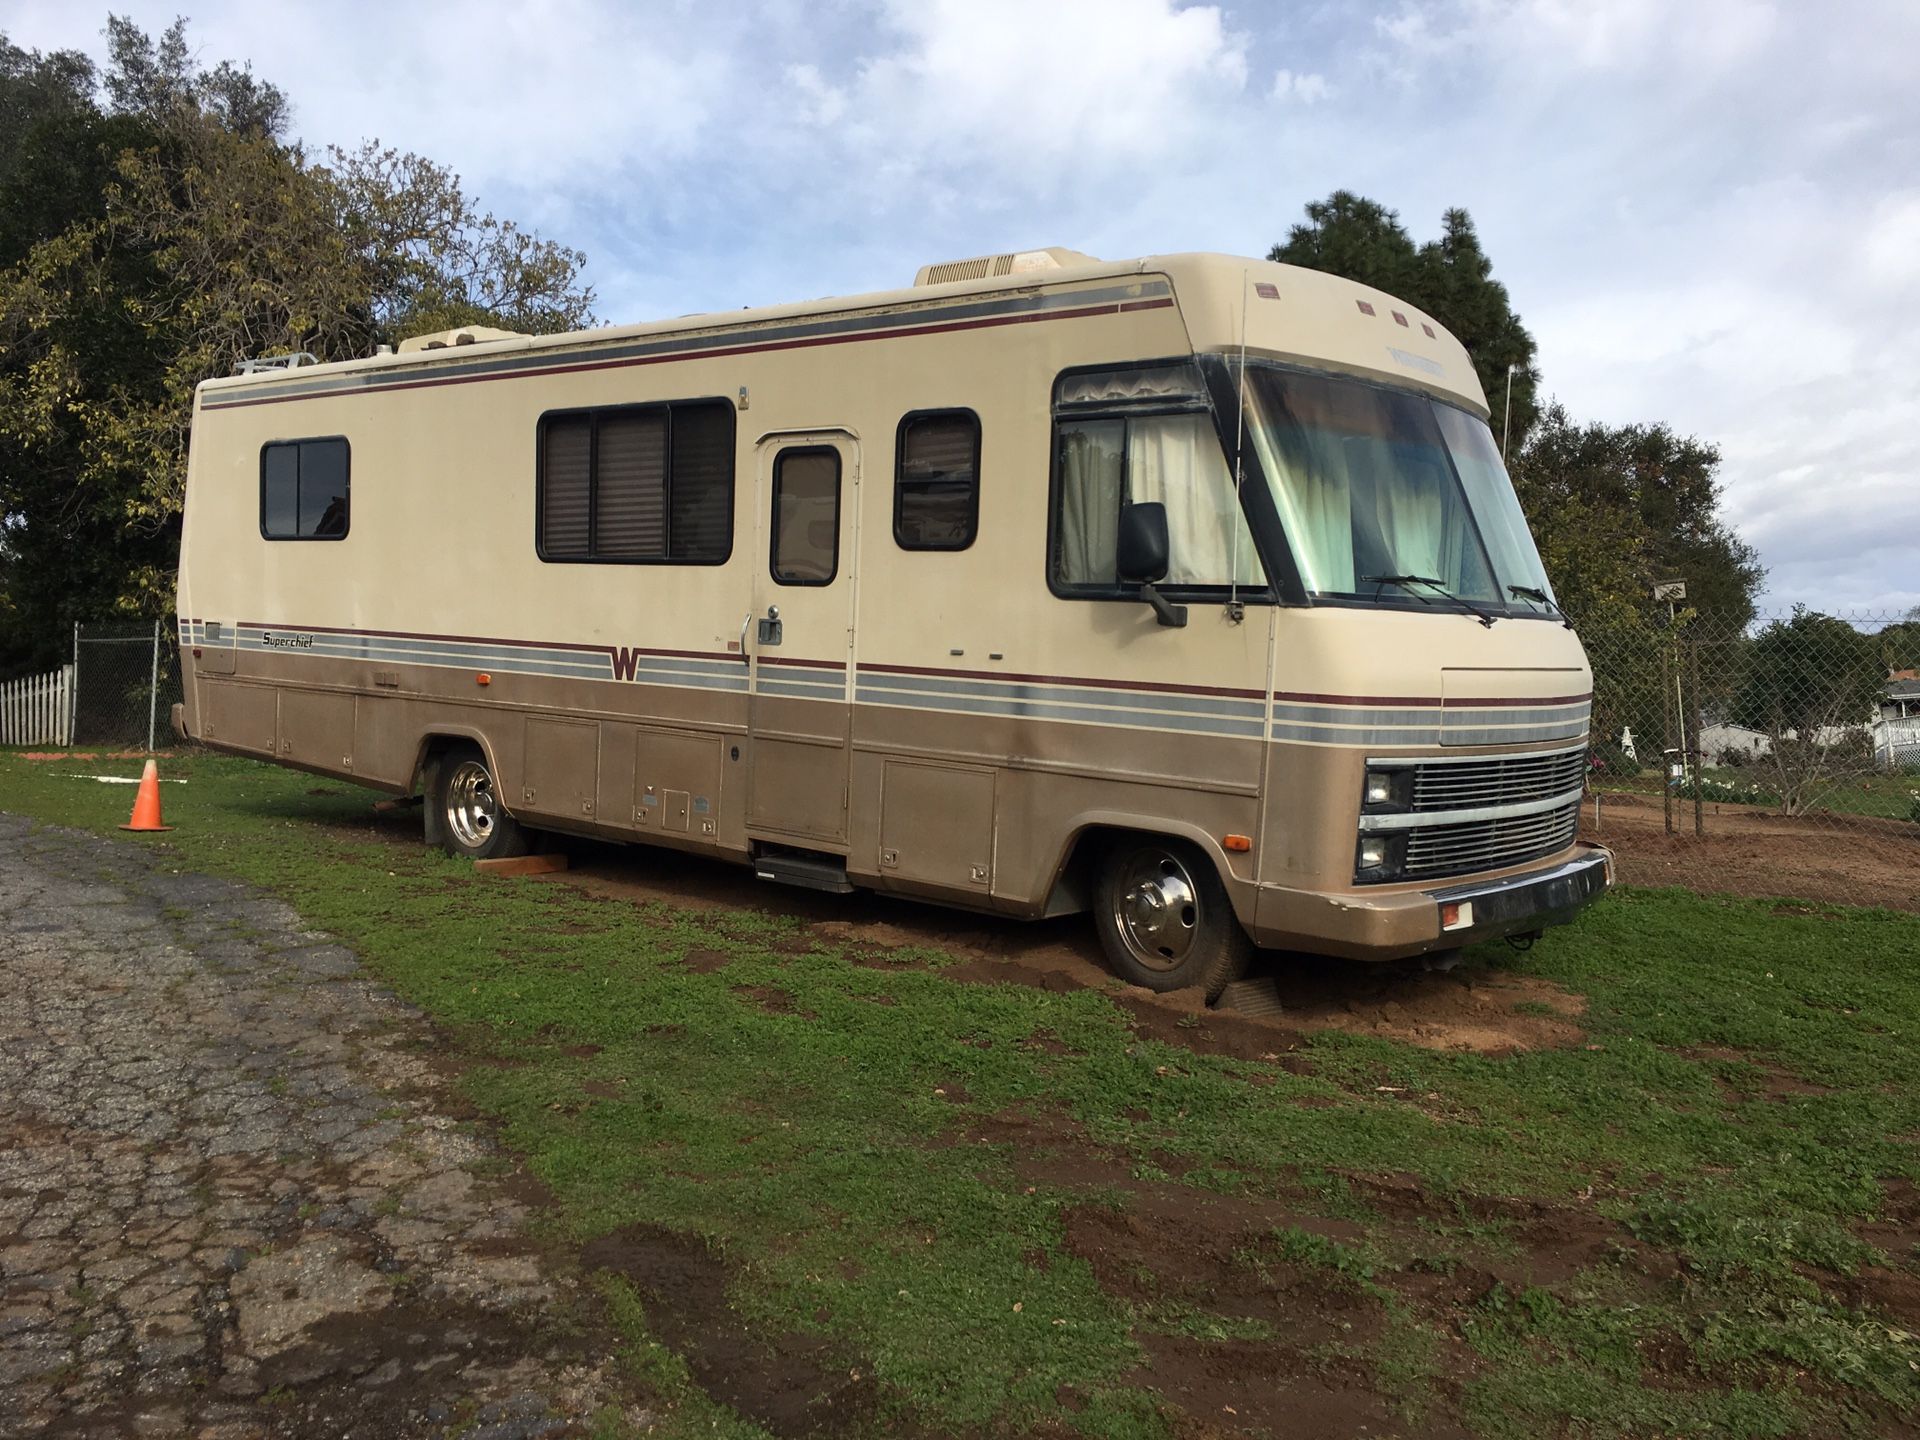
<point>667,654</point>
<point>607,650</point>
<point>690,354</point>
<point>1065,680</point>
<point>463,639</point>
<point>810,664</point>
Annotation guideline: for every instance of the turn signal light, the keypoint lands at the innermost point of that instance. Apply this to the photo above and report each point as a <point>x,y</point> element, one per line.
<point>1457,915</point>
<point>1239,844</point>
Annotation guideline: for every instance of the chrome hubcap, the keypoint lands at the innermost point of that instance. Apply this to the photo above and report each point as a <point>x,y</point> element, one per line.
<point>1158,912</point>
<point>472,810</point>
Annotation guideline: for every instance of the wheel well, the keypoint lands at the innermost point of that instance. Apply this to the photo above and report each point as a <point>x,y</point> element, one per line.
<point>433,746</point>
<point>436,743</point>
<point>1074,881</point>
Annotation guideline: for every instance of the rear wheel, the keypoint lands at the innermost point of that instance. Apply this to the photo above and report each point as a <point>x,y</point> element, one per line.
<point>473,822</point>
<point>1164,918</point>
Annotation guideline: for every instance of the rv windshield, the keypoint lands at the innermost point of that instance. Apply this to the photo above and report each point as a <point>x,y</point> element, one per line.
<point>1373,483</point>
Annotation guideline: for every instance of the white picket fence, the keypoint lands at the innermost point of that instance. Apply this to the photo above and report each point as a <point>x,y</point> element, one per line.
<point>37,709</point>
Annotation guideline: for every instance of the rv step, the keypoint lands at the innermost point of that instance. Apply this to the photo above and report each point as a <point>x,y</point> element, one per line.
<point>810,872</point>
<point>1252,997</point>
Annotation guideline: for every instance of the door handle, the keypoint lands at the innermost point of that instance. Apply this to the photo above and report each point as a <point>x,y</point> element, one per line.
<point>745,625</point>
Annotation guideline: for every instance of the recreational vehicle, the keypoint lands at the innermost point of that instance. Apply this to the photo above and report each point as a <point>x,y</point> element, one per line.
<point>1190,591</point>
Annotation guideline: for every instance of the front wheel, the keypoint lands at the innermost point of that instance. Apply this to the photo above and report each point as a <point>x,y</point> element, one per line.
<point>1164,918</point>
<point>473,822</point>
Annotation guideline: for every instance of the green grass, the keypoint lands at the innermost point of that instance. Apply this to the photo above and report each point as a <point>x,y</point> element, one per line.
<point>1741,1095</point>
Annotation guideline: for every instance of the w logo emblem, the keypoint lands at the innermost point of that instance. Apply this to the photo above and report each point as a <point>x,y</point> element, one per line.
<point>624,660</point>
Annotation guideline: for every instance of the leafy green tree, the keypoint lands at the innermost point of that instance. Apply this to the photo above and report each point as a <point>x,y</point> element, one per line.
<point>1809,673</point>
<point>1811,684</point>
<point>1900,642</point>
<point>155,229</point>
<point>1450,278</point>
<point>1616,508</point>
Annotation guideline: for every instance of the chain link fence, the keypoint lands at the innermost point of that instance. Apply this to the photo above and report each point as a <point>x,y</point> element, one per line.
<point>126,680</point>
<point>1779,758</point>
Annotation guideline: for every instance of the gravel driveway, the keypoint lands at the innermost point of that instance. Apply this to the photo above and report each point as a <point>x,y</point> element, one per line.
<point>234,1199</point>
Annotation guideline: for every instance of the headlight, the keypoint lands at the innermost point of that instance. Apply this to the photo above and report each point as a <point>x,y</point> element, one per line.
<point>1379,857</point>
<point>1379,789</point>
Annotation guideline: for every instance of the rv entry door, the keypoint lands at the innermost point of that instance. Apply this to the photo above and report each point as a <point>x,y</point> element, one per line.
<point>798,639</point>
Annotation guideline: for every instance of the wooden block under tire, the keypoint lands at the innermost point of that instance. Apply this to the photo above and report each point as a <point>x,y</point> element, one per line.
<point>521,865</point>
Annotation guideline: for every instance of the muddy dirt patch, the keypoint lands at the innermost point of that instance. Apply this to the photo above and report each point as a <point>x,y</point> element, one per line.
<point>703,961</point>
<point>1836,859</point>
<point>1296,1375</point>
<point>1489,1012</point>
<point>790,1383</point>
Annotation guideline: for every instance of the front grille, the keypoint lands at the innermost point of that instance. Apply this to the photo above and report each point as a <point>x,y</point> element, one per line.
<point>1504,780</point>
<point>1488,844</point>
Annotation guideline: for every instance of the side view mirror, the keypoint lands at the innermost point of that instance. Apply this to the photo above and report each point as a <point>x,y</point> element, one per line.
<point>1142,553</point>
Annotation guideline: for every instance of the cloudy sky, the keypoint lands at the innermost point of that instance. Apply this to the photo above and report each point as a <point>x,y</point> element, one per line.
<point>1707,211</point>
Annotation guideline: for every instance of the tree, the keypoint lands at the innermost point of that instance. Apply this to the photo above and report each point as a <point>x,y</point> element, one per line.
<point>1811,685</point>
<point>155,229</point>
<point>1616,508</point>
<point>1450,278</point>
<point>1900,642</point>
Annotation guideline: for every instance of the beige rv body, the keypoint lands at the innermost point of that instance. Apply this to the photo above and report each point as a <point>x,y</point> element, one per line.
<point>942,721</point>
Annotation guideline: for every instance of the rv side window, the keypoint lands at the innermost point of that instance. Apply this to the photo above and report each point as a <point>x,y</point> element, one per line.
<point>640,484</point>
<point>1143,434</point>
<point>806,516</point>
<point>936,482</point>
<point>303,489</point>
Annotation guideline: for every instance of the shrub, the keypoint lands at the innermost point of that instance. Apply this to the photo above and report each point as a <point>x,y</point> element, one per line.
<point>1610,759</point>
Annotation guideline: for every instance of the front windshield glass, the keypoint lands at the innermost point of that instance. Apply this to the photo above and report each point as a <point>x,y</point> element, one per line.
<point>1372,484</point>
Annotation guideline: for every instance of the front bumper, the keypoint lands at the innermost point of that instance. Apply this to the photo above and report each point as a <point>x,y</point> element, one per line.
<point>1370,925</point>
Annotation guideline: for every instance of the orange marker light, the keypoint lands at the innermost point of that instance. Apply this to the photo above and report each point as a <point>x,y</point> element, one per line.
<point>1239,844</point>
<point>1456,915</point>
<point>483,679</point>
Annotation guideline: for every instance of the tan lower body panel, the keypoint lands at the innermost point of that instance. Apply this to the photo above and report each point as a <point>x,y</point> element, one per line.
<point>975,810</point>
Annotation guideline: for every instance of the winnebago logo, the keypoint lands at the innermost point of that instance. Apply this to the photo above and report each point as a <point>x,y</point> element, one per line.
<point>624,660</point>
<point>283,641</point>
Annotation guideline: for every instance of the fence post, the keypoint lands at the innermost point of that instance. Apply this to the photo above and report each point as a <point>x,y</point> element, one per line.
<point>1667,750</point>
<point>153,686</point>
<point>73,730</point>
<point>1693,743</point>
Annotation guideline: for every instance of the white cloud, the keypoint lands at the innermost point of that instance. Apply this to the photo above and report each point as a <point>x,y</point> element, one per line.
<point>1305,88</point>
<point>1028,89</point>
<point>1705,211</point>
<point>820,104</point>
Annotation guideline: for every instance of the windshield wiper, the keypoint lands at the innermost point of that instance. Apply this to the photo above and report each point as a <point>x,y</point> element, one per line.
<point>1407,582</point>
<point>1535,593</point>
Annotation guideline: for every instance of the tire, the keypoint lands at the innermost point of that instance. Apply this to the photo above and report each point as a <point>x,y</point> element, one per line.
<point>472,821</point>
<point>1165,920</point>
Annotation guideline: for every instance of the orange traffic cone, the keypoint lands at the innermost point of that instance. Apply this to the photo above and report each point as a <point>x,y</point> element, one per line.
<point>146,802</point>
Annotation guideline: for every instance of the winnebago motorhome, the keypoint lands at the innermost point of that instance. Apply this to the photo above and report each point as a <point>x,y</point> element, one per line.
<point>1190,591</point>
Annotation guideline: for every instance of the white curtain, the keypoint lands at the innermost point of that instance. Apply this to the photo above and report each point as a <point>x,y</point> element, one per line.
<point>1173,459</point>
<point>1312,491</point>
<point>1177,460</point>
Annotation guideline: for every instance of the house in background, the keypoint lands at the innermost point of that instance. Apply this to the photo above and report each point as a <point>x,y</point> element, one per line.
<point>1896,734</point>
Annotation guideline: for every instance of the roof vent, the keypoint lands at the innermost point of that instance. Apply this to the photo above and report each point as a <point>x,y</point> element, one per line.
<point>465,335</point>
<point>1013,262</point>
